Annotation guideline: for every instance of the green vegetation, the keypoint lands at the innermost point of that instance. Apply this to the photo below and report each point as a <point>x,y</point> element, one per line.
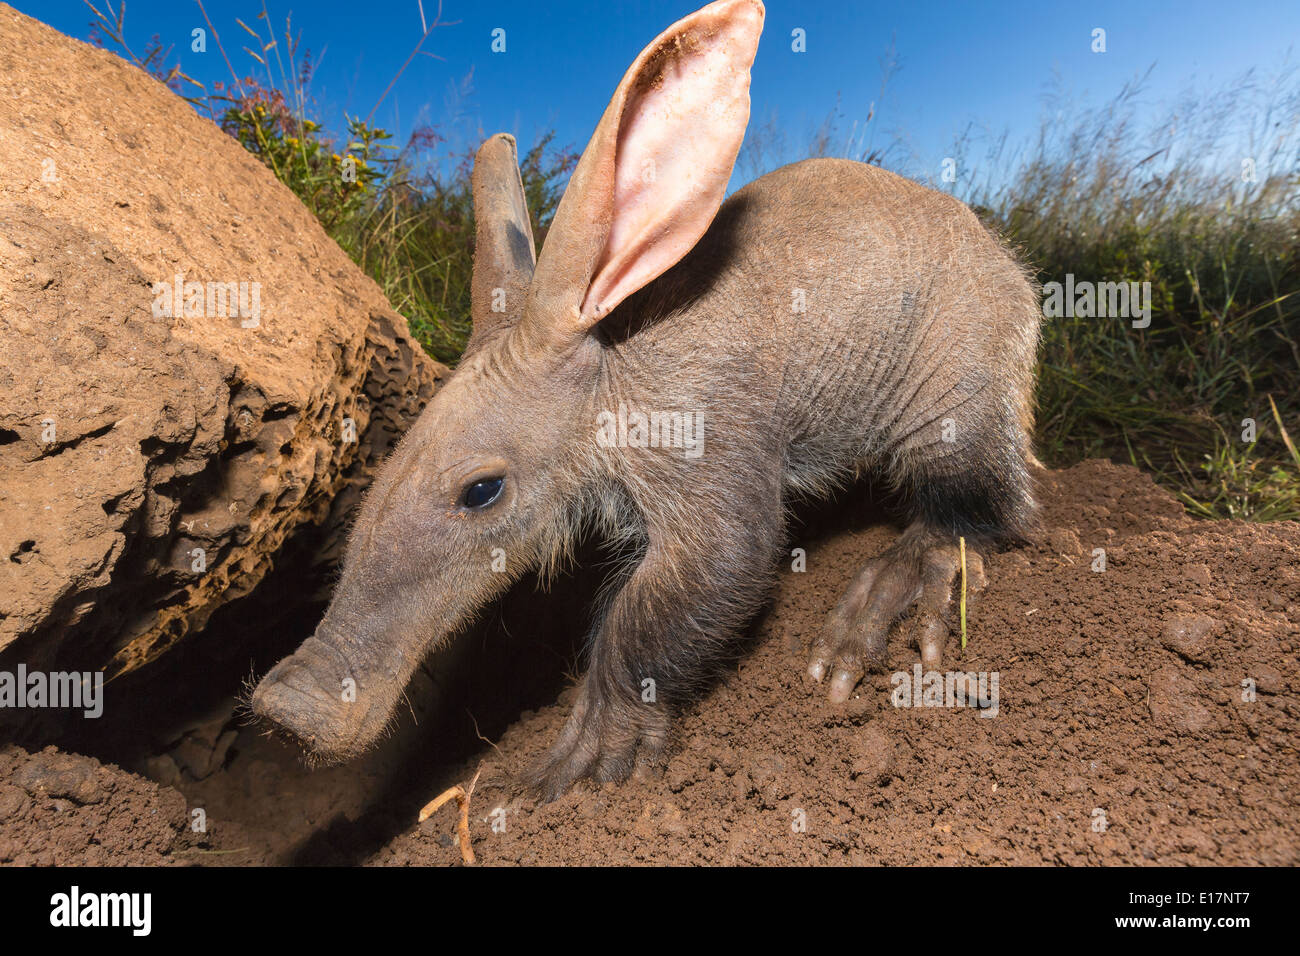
<point>1217,236</point>
<point>415,237</point>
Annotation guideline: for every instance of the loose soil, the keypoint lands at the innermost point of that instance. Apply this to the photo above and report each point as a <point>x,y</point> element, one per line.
<point>1147,714</point>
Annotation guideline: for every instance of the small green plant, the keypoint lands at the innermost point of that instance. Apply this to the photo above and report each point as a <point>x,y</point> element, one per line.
<point>962,542</point>
<point>334,182</point>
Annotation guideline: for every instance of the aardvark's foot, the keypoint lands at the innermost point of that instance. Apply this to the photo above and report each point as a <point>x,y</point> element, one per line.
<point>922,570</point>
<point>604,739</point>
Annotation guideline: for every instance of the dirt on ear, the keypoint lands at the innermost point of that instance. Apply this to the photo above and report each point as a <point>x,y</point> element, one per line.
<point>192,372</point>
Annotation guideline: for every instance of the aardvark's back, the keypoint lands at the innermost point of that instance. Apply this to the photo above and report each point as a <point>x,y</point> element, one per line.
<point>848,313</point>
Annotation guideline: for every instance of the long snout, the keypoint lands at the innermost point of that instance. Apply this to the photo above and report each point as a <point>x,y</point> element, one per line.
<point>406,589</point>
<point>315,695</point>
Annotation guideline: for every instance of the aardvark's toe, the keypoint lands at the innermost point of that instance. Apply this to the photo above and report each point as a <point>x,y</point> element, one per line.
<point>921,572</point>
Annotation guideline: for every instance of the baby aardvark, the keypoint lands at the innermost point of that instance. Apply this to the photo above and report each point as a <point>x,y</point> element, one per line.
<point>828,319</point>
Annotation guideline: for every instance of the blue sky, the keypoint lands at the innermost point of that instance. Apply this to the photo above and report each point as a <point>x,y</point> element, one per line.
<point>959,63</point>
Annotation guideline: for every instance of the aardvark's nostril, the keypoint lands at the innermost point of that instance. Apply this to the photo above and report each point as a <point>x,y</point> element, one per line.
<point>304,695</point>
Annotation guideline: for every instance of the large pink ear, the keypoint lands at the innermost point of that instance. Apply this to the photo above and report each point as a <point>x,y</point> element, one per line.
<point>656,169</point>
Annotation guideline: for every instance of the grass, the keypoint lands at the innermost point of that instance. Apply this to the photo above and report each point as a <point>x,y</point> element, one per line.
<point>1199,398</point>
<point>963,592</point>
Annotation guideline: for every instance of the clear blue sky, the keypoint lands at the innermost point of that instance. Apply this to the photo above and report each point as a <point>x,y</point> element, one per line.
<point>989,64</point>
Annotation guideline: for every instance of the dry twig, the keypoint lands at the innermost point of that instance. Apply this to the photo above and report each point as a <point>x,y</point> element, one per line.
<point>461,795</point>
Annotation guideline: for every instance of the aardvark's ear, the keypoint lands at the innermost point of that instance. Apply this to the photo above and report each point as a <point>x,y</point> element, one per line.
<point>503,239</point>
<point>656,169</point>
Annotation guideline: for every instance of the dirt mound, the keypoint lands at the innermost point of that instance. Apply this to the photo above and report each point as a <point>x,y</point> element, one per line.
<point>1144,714</point>
<point>63,810</point>
<point>193,369</point>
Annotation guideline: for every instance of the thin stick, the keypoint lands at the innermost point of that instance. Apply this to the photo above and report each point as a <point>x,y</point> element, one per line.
<point>962,544</point>
<point>461,795</point>
<point>437,22</point>
<point>213,30</point>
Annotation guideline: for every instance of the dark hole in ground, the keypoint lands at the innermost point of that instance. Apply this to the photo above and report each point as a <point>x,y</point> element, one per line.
<point>21,553</point>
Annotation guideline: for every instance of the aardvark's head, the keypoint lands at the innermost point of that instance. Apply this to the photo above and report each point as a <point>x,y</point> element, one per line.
<point>497,472</point>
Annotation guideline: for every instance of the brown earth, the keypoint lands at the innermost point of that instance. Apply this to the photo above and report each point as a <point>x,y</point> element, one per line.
<point>154,462</point>
<point>65,810</point>
<point>1120,702</point>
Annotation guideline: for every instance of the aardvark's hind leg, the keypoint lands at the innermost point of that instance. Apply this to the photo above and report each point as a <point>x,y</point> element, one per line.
<point>922,570</point>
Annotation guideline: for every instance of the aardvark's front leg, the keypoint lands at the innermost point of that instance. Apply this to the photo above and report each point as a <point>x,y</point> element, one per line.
<point>691,592</point>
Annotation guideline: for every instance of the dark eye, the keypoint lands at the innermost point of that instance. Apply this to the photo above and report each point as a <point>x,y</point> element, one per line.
<point>482,493</point>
